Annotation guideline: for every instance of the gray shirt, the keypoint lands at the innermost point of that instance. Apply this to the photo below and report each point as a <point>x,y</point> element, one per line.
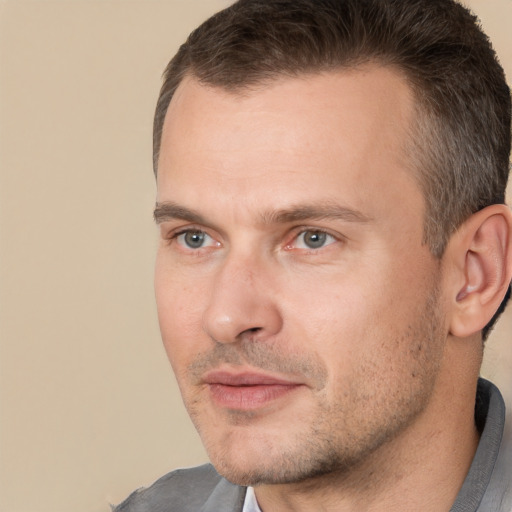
<point>487,487</point>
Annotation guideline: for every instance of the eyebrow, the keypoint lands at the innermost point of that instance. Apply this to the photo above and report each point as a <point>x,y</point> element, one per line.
<point>169,210</point>
<point>324,211</point>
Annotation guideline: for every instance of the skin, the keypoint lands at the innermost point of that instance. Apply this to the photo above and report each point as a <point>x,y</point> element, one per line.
<point>306,322</point>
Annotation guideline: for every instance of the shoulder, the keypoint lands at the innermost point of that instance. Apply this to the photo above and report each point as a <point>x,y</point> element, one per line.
<point>181,490</point>
<point>493,459</point>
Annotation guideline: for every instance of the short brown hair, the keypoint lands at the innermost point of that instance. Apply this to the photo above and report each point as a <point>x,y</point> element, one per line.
<point>460,145</point>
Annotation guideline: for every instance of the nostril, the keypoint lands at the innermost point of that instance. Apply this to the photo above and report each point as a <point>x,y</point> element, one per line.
<point>250,332</point>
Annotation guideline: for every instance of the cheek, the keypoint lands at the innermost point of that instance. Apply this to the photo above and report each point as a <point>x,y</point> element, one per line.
<point>330,323</point>
<point>333,307</point>
<point>179,307</point>
<point>352,319</point>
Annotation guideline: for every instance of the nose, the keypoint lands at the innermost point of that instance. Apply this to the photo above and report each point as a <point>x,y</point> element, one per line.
<point>242,303</point>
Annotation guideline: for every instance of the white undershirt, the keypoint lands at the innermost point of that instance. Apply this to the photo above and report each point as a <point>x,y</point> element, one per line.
<point>250,503</point>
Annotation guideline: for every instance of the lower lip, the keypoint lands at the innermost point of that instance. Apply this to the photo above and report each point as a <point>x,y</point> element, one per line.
<point>246,398</point>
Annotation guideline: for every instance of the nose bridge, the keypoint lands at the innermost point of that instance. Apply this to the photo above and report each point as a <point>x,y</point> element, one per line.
<point>241,300</point>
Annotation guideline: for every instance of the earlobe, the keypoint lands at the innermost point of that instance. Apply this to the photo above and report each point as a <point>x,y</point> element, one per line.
<point>483,248</point>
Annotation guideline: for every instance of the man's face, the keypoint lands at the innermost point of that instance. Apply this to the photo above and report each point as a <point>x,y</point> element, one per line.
<point>297,303</point>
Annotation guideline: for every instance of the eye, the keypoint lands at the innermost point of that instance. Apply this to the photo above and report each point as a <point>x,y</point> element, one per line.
<point>312,239</point>
<point>195,239</point>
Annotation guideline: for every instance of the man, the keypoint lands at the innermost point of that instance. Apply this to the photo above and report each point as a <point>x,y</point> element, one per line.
<point>334,249</point>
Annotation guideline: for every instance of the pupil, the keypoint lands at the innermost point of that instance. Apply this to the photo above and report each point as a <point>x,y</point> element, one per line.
<point>194,239</point>
<point>314,239</point>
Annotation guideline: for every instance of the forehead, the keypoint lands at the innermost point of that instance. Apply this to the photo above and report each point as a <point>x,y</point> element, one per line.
<point>367,93</point>
<point>341,132</point>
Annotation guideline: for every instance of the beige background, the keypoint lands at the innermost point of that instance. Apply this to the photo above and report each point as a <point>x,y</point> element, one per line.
<point>88,406</point>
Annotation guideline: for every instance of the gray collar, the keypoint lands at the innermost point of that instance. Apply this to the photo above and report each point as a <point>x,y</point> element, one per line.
<point>481,483</point>
<point>226,496</point>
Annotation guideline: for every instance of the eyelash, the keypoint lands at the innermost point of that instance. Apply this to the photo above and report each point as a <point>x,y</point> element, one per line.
<point>174,236</point>
<point>312,230</point>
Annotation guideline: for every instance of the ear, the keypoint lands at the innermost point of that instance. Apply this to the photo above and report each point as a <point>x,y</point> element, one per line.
<point>481,258</point>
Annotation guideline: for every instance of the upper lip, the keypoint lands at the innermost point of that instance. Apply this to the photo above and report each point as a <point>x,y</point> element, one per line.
<point>227,378</point>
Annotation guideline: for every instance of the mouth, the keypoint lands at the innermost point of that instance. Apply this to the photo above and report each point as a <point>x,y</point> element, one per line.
<point>247,391</point>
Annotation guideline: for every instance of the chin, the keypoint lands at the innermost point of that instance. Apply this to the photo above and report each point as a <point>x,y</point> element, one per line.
<point>253,461</point>
<point>279,472</point>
